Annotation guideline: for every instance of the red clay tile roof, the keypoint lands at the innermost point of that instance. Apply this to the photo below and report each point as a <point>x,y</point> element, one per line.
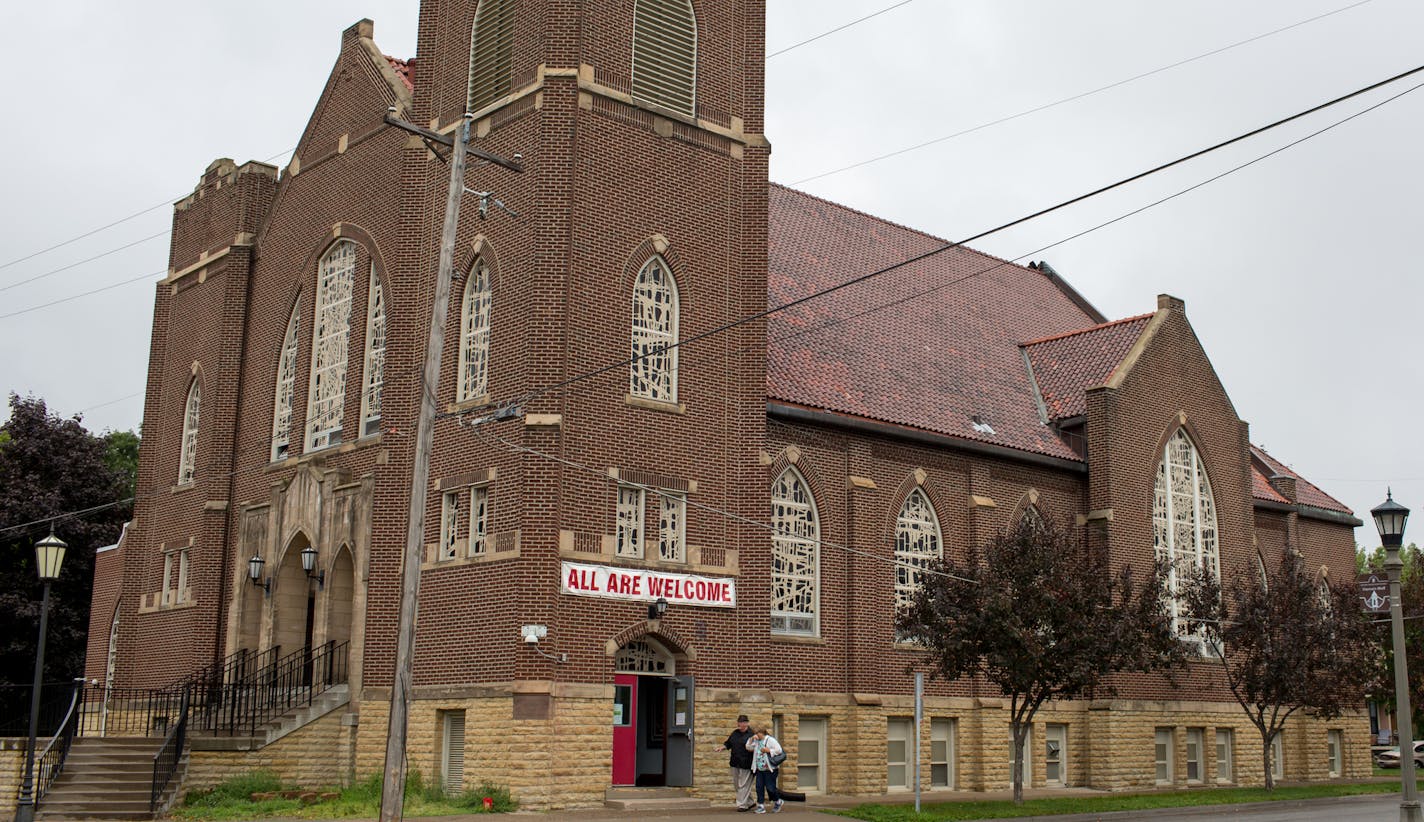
<point>405,69</point>
<point>1067,365</point>
<point>931,345</point>
<point>1305,492</point>
<point>1261,488</point>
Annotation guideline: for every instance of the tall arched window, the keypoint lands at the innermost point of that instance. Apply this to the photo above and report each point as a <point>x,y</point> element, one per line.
<point>665,54</point>
<point>375,372</point>
<point>1183,520</point>
<point>188,457</point>
<point>795,556</point>
<point>475,335</point>
<point>330,345</point>
<point>491,49</point>
<point>286,387</point>
<point>917,544</point>
<point>653,374</point>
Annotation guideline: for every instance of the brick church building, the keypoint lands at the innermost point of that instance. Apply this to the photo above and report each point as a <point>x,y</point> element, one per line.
<point>778,482</point>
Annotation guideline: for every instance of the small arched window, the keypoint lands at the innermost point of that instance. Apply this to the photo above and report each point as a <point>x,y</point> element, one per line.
<point>491,51</point>
<point>665,54</point>
<point>286,387</point>
<point>475,335</point>
<point>795,556</point>
<point>917,544</point>
<point>330,345</point>
<point>653,373</point>
<point>188,457</point>
<point>375,376</point>
<point>1183,521</point>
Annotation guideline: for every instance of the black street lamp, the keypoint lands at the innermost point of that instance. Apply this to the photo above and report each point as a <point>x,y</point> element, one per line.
<point>49,556</point>
<point>1390,517</point>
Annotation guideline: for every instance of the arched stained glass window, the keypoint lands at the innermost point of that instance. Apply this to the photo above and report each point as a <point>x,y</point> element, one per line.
<point>653,373</point>
<point>188,457</point>
<point>665,54</point>
<point>330,345</point>
<point>1183,521</point>
<point>491,51</point>
<point>475,335</point>
<point>795,556</point>
<point>286,387</point>
<point>917,544</point>
<point>375,375</point>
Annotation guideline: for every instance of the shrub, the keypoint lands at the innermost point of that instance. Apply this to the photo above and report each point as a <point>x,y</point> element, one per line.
<point>238,788</point>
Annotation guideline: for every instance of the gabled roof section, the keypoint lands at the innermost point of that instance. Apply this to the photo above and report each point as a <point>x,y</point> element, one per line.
<point>404,69</point>
<point>1064,366</point>
<point>1261,487</point>
<point>1306,492</point>
<point>932,345</point>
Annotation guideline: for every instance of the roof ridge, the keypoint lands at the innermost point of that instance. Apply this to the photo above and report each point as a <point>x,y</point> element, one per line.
<point>1089,329</point>
<point>949,244</point>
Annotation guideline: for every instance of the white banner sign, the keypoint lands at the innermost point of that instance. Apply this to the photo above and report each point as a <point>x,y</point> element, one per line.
<point>647,585</point>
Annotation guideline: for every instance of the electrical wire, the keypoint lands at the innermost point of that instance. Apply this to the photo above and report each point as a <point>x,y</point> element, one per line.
<point>89,293</point>
<point>759,315</point>
<point>1071,98</point>
<point>52,272</point>
<point>848,25</point>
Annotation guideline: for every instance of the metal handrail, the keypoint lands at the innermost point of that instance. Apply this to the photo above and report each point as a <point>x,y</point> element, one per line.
<point>50,763</point>
<point>170,754</point>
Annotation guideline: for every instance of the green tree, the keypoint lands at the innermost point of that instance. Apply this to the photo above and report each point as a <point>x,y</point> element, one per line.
<point>1041,615</point>
<point>1411,597</point>
<point>1288,643</point>
<point>121,454</point>
<point>51,466</point>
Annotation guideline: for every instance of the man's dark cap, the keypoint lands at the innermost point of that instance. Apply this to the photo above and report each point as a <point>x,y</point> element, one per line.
<point>743,718</point>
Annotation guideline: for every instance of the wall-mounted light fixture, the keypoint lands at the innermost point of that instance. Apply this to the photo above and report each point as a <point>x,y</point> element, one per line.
<point>254,574</point>
<point>309,565</point>
<point>532,634</point>
<point>657,609</point>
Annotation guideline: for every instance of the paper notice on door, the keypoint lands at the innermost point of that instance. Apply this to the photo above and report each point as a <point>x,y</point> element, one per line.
<point>618,713</point>
<point>679,719</point>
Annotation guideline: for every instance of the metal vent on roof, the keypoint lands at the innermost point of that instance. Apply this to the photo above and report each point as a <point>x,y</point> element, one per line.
<point>981,425</point>
<point>665,53</point>
<point>491,46</point>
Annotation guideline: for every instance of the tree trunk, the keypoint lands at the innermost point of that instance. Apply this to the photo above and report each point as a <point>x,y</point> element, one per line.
<point>1266,760</point>
<point>1016,769</point>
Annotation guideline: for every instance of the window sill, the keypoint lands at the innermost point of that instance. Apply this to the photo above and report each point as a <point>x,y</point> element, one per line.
<point>579,547</point>
<point>369,441</point>
<point>465,405</point>
<point>151,605</point>
<point>654,405</point>
<point>902,645</point>
<point>183,486</point>
<point>475,559</point>
<point>793,639</point>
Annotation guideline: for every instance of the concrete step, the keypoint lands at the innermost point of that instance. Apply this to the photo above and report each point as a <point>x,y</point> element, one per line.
<point>652,799</point>
<point>56,816</point>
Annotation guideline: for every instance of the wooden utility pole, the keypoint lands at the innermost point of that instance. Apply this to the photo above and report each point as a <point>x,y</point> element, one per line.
<point>393,788</point>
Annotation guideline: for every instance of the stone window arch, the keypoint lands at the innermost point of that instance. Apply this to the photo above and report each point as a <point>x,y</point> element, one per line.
<point>475,307</point>
<point>188,455</point>
<point>491,52</point>
<point>331,336</point>
<point>665,54</point>
<point>795,556</point>
<point>285,387</point>
<point>1184,529</point>
<point>374,377</point>
<point>918,543</point>
<point>653,372</point>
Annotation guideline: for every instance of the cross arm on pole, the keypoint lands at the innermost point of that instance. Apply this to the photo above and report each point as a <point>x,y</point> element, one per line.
<point>515,165</point>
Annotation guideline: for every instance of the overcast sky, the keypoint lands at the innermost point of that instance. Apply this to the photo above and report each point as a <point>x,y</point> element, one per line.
<point>1300,273</point>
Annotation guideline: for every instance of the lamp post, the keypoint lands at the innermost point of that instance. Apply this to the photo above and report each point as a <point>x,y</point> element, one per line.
<point>1389,519</point>
<point>49,556</point>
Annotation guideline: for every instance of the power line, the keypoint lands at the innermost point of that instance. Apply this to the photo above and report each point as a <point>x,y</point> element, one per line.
<point>848,25</point>
<point>76,238</point>
<point>956,244</point>
<point>89,293</point>
<point>1071,98</point>
<point>52,272</point>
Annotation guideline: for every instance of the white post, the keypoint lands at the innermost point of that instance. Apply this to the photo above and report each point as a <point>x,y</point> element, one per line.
<point>919,718</point>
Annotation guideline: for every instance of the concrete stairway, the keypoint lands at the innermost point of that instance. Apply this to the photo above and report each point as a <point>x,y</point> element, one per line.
<point>652,799</point>
<point>106,778</point>
<point>324,703</point>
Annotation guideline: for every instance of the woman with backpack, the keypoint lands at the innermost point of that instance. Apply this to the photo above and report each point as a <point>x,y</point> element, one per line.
<point>767,757</point>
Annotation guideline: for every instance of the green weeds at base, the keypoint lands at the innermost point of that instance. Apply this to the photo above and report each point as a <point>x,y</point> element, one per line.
<point>233,800</point>
<point>1107,803</point>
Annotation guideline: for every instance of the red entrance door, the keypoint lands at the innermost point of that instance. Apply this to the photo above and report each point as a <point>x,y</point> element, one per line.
<point>625,729</point>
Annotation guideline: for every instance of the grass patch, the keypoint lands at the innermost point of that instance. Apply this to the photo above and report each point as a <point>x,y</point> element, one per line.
<point>1107,803</point>
<point>232,800</point>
